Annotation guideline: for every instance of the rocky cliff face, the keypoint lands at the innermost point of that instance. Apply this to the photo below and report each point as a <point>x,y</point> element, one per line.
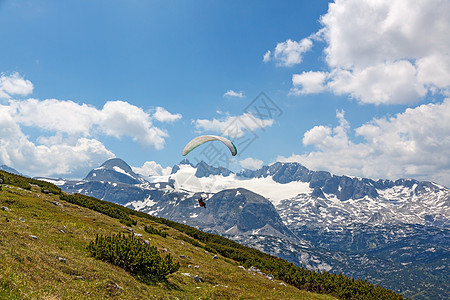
<point>240,211</point>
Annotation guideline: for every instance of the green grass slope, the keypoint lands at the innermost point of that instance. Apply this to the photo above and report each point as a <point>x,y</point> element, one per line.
<point>44,239</point>
<point>43,255</point>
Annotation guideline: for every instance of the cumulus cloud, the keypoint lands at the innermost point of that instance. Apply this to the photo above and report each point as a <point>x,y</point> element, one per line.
<point>58,157</point>
<point>309,82</point>
<point>251,163</point>
<point>67,134</point>
<point>162,115</point>
<point>381,52</point>
<point>55,115</point>
<point>120,118</point>
<point>266,57</point>
<point>386,83</point>
<point>151,168</point>
<point>14,85</point>
<point>231,93</point>
<point>116,118</point>
<point>289,53</point>
<point>233,126</point>
<point>412,144</point>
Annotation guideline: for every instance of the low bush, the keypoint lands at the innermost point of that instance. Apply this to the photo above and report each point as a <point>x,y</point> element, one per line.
<point>152,230</point>
<point>134,256</point>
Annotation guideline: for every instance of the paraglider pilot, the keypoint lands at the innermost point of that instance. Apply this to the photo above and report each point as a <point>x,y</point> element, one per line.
<point>201,202</point>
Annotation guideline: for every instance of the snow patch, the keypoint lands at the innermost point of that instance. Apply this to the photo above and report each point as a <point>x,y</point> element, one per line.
<point>54,181</point>
<point>186,181</point>
<point>138,205</point>
<point>120,170</point>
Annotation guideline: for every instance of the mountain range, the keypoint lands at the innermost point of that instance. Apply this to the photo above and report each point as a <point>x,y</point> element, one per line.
<point>392,233</point>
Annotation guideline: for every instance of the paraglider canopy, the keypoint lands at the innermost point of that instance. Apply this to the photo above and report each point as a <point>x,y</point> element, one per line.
<point>208,138</point>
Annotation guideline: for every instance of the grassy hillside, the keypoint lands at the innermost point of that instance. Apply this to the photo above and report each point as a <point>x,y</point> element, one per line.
<point>44,255</point>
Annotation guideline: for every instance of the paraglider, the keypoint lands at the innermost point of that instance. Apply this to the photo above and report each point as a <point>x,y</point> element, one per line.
<point>194,143</point>
<point>208,138</point>
<point>201,202</point>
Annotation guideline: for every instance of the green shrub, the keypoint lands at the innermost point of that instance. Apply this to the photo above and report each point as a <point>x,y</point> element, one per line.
<point>134,256</point>
<point>15,180</point>
<point>110,209</point>
<point>26,182</point>
<point>152,230</point>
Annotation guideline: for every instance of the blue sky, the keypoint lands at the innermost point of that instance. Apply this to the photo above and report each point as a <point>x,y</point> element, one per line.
<point>360,87</point>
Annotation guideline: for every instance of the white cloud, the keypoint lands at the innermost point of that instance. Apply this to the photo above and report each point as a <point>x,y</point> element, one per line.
<point>266,57</point>
<point>434,71</point>
<point>55,115</point>
<point>233,126</point>
<point>14,85</point>
<point>289,53</point>
<point>49,156</point>
<point>231,93</point>
<point>251,163</point>
<point>162,115</point>
<point>383,52</point>
<point>413,144</point>
<point>316,135</point>
<point>67,134</point>
<point>310,82</point>
<point>385,83</point>
<point>361,33</point>
<point>116,118</point>
<point>151,168</point>
<point>57,158</point>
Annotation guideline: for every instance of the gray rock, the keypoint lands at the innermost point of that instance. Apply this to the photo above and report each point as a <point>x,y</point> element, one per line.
<point>21,219</point>
<point>215,257</point>
<point>270,277</point>
<point>182,256</point>
<point>197,278</point>
<point>114,285</point>
<point>5,208</point>
<point>33,237</point>
<point>205,170</point>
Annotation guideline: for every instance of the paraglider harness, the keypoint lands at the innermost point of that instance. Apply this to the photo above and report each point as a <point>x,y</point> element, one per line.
<point>201,202</point>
